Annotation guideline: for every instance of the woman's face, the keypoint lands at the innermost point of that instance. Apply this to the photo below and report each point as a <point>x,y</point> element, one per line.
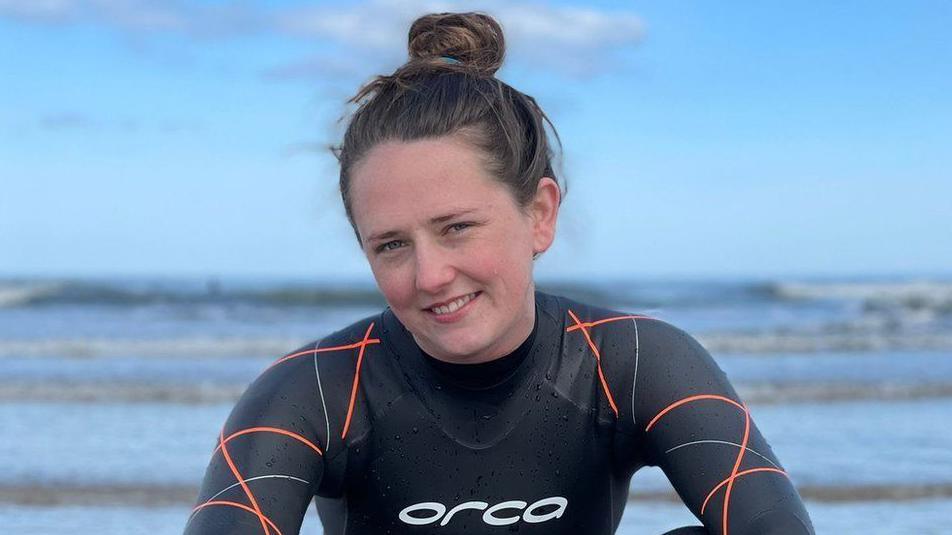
<point>450,248</point>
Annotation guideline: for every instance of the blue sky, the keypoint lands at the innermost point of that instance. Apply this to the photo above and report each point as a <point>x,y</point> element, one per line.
<point>702,139</point>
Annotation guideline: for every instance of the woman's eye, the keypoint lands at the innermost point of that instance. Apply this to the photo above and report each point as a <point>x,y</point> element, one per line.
<point>389,246</point>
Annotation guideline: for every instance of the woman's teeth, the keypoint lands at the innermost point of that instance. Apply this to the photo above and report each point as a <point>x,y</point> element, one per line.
<point>453,306</point>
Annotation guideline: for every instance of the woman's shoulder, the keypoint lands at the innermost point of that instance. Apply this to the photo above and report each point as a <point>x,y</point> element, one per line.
<point>579,313</point>
<point>625,338</point>
<point>643,363</point>
<point>335,347</point>
<point>319,370</point>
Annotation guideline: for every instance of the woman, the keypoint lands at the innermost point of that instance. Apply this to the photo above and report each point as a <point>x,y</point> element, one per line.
<point>474,404</point>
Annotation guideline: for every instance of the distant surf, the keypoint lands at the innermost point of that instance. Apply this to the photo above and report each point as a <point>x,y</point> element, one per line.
<point>157,495</point>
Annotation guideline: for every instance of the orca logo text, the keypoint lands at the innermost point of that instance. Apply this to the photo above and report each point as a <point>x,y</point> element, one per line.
<point>501,514</point>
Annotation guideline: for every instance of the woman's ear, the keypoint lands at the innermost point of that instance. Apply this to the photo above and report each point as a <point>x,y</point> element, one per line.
<point>545,211</point>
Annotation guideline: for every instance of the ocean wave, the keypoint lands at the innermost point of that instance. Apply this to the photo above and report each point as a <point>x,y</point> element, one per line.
<point>141,293</point>
<point>898,290</point>
<point>102,392</point>
<point>25,294</point>
<point>814,342</point>
<point>913,294</point>
<point>835,493</point>
<point>58,494</point>
<point>205,393</point>
<point>203,347</point>
<point>923,296</point>
<point>211,292</point>
<point>21,294</point>
<point>758,342</point>
<point>787,393</point>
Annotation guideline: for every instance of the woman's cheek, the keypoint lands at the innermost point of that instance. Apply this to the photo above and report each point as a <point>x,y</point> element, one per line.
<point>394,284</point>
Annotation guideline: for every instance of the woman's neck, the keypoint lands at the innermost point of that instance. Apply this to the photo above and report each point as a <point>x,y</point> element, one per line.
<point>485,374</point>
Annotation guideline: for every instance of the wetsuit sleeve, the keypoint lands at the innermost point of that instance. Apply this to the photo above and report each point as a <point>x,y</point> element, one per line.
<point>267,462</point>
<point>701,434</point>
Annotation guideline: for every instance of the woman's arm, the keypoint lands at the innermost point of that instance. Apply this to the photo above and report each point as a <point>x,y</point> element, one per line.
<point>702,435</point>
<point>267,462</point>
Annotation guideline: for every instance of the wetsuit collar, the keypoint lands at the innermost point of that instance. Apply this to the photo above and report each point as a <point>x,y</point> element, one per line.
<point>485,374</point>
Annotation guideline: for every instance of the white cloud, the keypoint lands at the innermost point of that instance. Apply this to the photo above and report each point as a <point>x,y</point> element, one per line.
<point>570,40</point>
<point>371,34</point>
<point>382,24</point>
<point>571,26</point>
<point>375,24</point>
<point>39,10</point>
<point>149,16</point>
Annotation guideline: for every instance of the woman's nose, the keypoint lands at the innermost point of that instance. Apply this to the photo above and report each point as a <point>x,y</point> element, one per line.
<point>434,268</point>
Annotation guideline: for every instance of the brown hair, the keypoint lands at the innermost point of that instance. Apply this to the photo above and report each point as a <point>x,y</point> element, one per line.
<point>447,87</point>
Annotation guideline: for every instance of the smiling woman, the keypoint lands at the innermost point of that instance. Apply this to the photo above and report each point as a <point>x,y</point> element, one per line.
<point>450,247</point>
<point>474,402</point>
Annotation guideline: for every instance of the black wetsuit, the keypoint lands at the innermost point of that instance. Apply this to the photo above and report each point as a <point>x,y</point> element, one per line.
<point>542,441</point>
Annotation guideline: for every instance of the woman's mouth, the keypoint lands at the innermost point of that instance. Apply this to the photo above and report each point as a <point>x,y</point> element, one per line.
<point>452,310</point>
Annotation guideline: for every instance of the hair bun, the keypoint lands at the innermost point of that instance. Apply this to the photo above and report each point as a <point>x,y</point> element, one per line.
<point>474,39</point>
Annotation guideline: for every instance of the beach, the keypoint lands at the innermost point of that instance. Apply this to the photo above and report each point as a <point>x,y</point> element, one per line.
<point>112,392</point>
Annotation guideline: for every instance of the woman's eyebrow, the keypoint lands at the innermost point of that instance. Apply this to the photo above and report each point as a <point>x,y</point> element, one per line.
<point>383,236</point>
<point>433,221</point>
<point>452,215</point>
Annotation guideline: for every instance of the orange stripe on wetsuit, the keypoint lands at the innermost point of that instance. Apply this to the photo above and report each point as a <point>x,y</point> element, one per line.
<point>729,481</point>
<point>239,506</point>
<point>353,391</point>
<point>361,344</point>
<point>265,521</point>
<point>584,325</point>
<point>598,360</point>
<point>251,497</point>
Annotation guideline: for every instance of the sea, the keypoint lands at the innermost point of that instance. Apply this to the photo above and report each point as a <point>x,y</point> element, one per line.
<point>112,391</point>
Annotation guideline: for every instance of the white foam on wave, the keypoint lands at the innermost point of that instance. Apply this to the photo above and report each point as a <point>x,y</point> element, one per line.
<point>814,342</point>
<point>203,393</point>
<point>871,337</point>
<point>111,392</point>
<point>787,393</point>
<point>203,347</point>
<point>922,291</point>
<point>14,294</point>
